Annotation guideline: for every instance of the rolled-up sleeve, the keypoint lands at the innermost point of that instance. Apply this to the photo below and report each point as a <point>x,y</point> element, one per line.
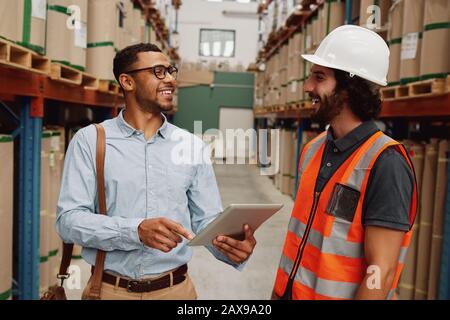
<point>77,221</point>
<point>205,205</point>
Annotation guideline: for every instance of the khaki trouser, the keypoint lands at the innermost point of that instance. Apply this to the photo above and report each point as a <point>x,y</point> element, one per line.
<point>182,291</point>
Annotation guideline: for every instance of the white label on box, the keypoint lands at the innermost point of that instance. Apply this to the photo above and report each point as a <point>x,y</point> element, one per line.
<point>294,86</point>
<point>409,46</point>
<point>39,9</point>
<point>80,34</point>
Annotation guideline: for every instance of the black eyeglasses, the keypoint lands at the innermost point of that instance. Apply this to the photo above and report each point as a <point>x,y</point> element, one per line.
<point>159,71</point>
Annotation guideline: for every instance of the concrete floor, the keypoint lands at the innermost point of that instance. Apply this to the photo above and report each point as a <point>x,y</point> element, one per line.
<point>216,280</point>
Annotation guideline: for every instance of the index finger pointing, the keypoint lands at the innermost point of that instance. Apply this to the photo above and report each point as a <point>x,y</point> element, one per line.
<point>178,228</point>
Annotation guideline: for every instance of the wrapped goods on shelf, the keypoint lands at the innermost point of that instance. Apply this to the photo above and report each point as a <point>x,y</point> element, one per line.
<point>395,40</point>
<point>78,40</point>
<point>434,60</point>
<point>24,22</point>
<point>56,162</point>
<point>315,31</point>
<point>331,16</point>
<point>104,17</point>
<point>293,163</point>
<point>6,216</point>
<point>44,243</point>
<point>438,220</point>
<point>283,95</point>
<point>368,13</point>
<point>297,47</point>
<point>308,37</point>
<point>59,35</point>
<point>426,221</point>
<point>286,164</point>
<point>282,14</point>
<point>407,281</point>
<point>411,40</point>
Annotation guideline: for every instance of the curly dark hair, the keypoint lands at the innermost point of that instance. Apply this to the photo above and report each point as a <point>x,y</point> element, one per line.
<point>363,96</point>
<point>127,56</point>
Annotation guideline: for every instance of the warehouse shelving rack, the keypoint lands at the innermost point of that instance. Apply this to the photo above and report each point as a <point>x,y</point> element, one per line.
<point>32,90</point>
<point>411,108</point>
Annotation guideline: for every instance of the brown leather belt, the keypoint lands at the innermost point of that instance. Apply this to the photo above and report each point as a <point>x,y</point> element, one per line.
<point>140,286</point>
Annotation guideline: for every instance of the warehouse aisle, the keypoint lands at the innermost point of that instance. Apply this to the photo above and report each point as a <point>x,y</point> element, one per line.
<point>215,279</point>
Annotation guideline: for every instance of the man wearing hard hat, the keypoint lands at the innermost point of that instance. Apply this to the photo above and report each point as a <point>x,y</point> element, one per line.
<point>357,197</point>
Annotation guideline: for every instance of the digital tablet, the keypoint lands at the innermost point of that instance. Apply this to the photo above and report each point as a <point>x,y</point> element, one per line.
<point>231,222</point>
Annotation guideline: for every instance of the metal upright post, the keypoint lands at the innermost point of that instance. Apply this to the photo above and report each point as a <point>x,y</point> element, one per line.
<point>29,198</point>
<point>348,11</point>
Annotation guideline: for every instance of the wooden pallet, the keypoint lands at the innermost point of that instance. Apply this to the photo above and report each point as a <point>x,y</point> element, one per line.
<point>108,86</point>
<point>66,74</point>
<point>89,82</point>
<point>306,105</point>
<point>18,57</point>
<point>425,88</point>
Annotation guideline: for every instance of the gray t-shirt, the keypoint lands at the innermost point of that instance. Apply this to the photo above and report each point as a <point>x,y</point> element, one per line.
<point>391,181</point>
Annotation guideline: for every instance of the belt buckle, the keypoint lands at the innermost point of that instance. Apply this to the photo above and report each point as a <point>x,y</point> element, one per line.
<point>138,286</point>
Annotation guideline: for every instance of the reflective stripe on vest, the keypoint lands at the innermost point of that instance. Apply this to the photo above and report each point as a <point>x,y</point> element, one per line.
<point>335,289</point>
<point>310,150</point>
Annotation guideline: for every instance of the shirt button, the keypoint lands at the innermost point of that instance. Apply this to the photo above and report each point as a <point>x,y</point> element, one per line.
<point>329,164</point>
<point>335,150</point>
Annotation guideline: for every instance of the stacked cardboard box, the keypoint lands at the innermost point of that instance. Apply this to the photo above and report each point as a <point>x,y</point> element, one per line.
<point>24,22</point>
<point>395,40</point>
<point>411,40</point>
<point>434,61</point>
<point>6,216</point>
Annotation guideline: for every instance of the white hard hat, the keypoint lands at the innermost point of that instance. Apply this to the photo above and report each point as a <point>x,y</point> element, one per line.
<point>356,50</point>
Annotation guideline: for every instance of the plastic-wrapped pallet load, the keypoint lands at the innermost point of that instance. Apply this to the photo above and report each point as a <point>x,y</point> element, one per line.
<point>407,281</point>
<point>78,36</point>
<point>434,60</point>
<point>6,216</point>
<point>411,41</point>
<point>23,21</point>
<point>438,220</point>
<point>331,16</point>
<point>426,221</point>
<point>293,164</point>
<point>395,41</point>
<point>44,213</point>
<point>58,33</point>
<point>56,161</point>
<point>103,20</point>
<point>286,164</point>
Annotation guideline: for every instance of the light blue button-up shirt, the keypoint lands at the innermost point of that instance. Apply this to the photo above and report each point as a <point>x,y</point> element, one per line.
<point>165,176</point>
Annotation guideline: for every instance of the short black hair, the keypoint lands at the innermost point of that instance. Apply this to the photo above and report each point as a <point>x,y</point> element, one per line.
<point>363,95</point>
<point>127,56</point>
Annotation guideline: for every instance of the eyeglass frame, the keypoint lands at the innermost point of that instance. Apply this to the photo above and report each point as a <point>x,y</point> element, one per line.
<point>175,69</point>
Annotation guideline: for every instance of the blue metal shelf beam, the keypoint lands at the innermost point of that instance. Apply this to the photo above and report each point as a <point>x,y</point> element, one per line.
<point>29,203</point>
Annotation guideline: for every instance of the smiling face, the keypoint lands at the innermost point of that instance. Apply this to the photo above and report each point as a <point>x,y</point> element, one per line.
<point>320,86</point>
<point>148,89</point>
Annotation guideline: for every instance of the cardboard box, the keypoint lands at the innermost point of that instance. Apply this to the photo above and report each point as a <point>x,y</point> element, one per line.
<point>411,40</point>
<point>407,280</point>
<point>438,220</point>
<point>6,213</point>
<point>426,221</point>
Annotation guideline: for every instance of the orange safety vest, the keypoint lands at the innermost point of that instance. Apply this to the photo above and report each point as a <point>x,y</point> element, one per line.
<point>323,255</point>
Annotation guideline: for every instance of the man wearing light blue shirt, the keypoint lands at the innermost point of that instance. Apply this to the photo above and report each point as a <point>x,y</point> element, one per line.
<point>155,200</point>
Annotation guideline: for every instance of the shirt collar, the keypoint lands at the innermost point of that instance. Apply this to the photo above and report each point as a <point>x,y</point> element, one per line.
<point>128,130</point>
<point>357,135</point>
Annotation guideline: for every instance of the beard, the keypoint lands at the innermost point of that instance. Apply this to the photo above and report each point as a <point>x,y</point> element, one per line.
<point>151,105</point>
<point>330,107</point>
